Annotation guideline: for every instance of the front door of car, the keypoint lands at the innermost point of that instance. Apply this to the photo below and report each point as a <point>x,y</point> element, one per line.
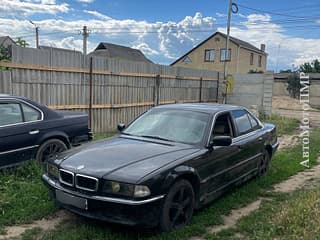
<point>218,169</point>
<point>18,132</point>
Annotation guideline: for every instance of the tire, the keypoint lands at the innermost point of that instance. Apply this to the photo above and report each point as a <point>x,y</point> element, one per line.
<point>178,206</point>
<point>264,164</point>
<point>49,149</point>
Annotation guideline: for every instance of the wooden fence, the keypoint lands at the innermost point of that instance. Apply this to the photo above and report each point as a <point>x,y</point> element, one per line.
<point>116,91</point>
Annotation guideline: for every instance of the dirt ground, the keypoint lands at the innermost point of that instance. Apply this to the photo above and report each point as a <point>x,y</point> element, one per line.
<point>46,224</point>
<point>292,108</point>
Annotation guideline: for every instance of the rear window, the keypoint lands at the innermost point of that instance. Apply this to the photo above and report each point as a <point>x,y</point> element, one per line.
<point>30,114</point>
<point>242,120</point>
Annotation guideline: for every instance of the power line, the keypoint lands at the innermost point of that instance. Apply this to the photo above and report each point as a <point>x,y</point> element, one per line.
<point>270,12</point>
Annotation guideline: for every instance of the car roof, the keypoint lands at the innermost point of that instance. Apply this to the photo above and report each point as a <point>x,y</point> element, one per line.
<point>5,95</point>
<point>200,107</point>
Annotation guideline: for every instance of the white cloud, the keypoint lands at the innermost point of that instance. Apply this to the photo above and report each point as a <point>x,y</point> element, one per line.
<point>163,40</point>
<point>166,41</point>
<point>144,47</point>
<point>98,15</point>
<point>15,8</point>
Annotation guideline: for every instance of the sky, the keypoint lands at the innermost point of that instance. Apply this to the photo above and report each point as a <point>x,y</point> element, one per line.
<point>165,30</point>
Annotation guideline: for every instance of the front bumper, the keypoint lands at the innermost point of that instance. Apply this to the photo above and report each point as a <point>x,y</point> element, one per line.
<point>130,212</point>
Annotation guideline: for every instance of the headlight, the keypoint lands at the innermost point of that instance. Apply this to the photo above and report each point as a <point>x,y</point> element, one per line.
<point>53,170</point>
<point>125,189</point>
<point>141,191</point>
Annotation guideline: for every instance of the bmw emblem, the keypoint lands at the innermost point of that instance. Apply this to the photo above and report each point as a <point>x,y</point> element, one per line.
<point>80,167</point>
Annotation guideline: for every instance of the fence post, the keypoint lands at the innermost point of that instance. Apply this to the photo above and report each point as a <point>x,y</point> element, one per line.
<point>90,94</point>
<point>157,90</point>
<point>200,90</point>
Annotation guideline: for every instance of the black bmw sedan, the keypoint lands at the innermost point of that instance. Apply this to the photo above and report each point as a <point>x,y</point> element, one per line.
<point>166,163</point>
<point>29,130</point>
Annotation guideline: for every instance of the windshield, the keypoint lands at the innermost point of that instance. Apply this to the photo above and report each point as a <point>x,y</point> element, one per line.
<point>171,125</point>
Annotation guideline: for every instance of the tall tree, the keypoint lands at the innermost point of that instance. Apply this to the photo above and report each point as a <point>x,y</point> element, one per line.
<point>310,67</point>
<point>21,42</point>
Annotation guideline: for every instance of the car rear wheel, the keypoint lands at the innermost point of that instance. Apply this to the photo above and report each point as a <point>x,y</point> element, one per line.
<point>178,206</point>
<point>264,164</point>
<point>50,149</point>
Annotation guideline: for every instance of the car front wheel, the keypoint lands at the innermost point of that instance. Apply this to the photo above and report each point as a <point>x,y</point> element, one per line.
<point>178,206</point>
<point>49,149</point>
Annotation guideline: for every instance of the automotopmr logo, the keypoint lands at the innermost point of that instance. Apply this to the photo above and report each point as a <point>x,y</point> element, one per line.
<point>305,123</point>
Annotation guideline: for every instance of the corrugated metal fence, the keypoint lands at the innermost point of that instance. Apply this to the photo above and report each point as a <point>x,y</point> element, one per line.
<point>120,91</point>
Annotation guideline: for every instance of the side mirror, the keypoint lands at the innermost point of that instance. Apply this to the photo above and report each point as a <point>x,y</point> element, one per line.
<point>121,126</point>
<point>220,141</point>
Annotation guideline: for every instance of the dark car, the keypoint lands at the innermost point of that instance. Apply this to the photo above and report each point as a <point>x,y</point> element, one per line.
<point>168,162</point>
<point>29,130</point>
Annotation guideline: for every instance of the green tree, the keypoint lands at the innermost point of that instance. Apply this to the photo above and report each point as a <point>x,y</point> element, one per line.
<point>21,42</point>
<point>294,85</point>
<point>5,53</point>
<point>310,67</point>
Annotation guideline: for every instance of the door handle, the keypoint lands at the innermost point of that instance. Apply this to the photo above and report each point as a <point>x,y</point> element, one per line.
<point>260,139</point>
<point>32,132</point>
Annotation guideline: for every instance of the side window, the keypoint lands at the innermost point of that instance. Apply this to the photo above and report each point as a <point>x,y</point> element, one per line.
<point>223,126</point>
<point>10,113</point>
<point>254,123</point>
<point>30,114</point>
<point>242,120</point>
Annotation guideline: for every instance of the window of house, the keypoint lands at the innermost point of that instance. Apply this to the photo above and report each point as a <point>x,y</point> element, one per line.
<point>187,60</point>
<point>30,114</point>
<point>260,61</point>
<point>251,58</point>
<point>209,55</point>
<point>225,55</point>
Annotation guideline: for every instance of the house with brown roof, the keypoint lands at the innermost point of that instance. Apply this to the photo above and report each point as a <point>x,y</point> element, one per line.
<point>211,54</point>
<point>119,52</point>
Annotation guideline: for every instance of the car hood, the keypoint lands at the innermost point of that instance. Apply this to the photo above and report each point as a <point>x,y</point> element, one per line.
<point>123,158</point>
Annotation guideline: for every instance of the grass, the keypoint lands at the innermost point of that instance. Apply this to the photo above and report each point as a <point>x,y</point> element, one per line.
<point>31,234</point>
<point>284,125</point>
<point>98,136</point>
<point>23,197</point>
<point>293,216</point>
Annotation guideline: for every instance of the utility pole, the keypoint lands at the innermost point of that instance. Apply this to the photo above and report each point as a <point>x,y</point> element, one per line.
<point>227,53</point>
<point>85,34</point>
<point>37,33</point>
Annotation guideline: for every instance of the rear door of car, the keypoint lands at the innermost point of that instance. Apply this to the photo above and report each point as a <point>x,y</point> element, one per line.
<point>248,139</point>
<point>18,131</point>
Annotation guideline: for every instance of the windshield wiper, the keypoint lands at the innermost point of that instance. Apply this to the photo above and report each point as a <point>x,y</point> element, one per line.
<point>129,134</point>
<point>156,137</point>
